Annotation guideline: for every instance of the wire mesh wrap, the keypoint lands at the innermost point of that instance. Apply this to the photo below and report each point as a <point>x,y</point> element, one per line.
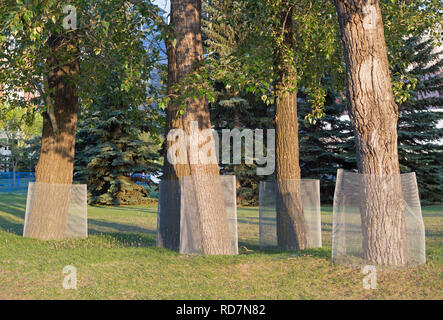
<point>349,201</point>
<point>77,210</point>
<point>168,214</point>
<point>190,231</point>
<point>310,198</point>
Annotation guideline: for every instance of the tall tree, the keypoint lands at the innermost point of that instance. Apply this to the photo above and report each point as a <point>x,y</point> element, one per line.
<point>264,45</point>
<point>374,116</point>
<point>42,47</point>
<point>56,162</point>
<point>169,222</point>
<point>204,169</point>
<point>291,227</point>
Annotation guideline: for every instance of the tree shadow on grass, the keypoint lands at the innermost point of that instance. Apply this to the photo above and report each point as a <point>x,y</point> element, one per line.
<point>152,210</point>
<point>15,206</point>
<point>434,234</point>
<point>432,215</point>
<point>127,235</point>
<point>16,209</point>
<point>134,240</point>
<point>10,226</point>
<point>248,220</point>
<point>324,252</point>
<point>116,227</point>
<point>248,209</point>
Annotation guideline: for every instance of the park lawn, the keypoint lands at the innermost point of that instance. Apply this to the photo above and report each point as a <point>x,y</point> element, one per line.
<point>119,260</point>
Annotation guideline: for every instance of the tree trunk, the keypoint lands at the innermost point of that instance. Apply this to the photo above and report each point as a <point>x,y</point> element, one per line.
<point>204,174</point>
<point>374,115</point>
<point>54,170</point>
<point>291,227</point>
<point>169,222</point>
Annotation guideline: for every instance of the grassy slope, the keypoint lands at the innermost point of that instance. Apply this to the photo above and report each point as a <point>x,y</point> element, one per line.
<point>120,261</point>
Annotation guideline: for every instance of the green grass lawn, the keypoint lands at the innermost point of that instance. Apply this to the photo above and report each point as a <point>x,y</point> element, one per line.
<point>119,260</point>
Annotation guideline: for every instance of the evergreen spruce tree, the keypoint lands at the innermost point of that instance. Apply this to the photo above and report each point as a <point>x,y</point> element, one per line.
<point>419,137</point>
<point>109,150</point>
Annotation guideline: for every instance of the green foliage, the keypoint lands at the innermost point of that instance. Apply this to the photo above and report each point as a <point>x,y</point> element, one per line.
<point>116,44</point>
<point>315,53</point>
<point>111,140</point>
<point>252,26</point>
<point>31,154</point>
<point>108,32</point>
<point>233,107</point>
<point>20,132</point>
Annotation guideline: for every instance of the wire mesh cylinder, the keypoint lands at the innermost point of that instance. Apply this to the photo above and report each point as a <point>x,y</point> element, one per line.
<point>190,227</point>
<point>168,214</point>
<point>73,211</point>
<point>356,196</point>
<point>310,198</point>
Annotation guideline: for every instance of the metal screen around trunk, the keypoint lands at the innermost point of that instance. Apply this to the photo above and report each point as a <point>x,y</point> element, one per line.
<point>168,214</point>
<point>310,197</point>
<point>77,210</point>
<point>190,231</point>
<point>349,201</point>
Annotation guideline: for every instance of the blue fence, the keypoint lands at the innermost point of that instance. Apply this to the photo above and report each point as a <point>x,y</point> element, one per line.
<point>17,182</point>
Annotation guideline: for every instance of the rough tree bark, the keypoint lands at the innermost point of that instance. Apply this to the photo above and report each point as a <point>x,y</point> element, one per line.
<point>54,170</point>
<point>291,227</point>
<point>169,222</point>
<point>205,175</point>
<point>374,115</point>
